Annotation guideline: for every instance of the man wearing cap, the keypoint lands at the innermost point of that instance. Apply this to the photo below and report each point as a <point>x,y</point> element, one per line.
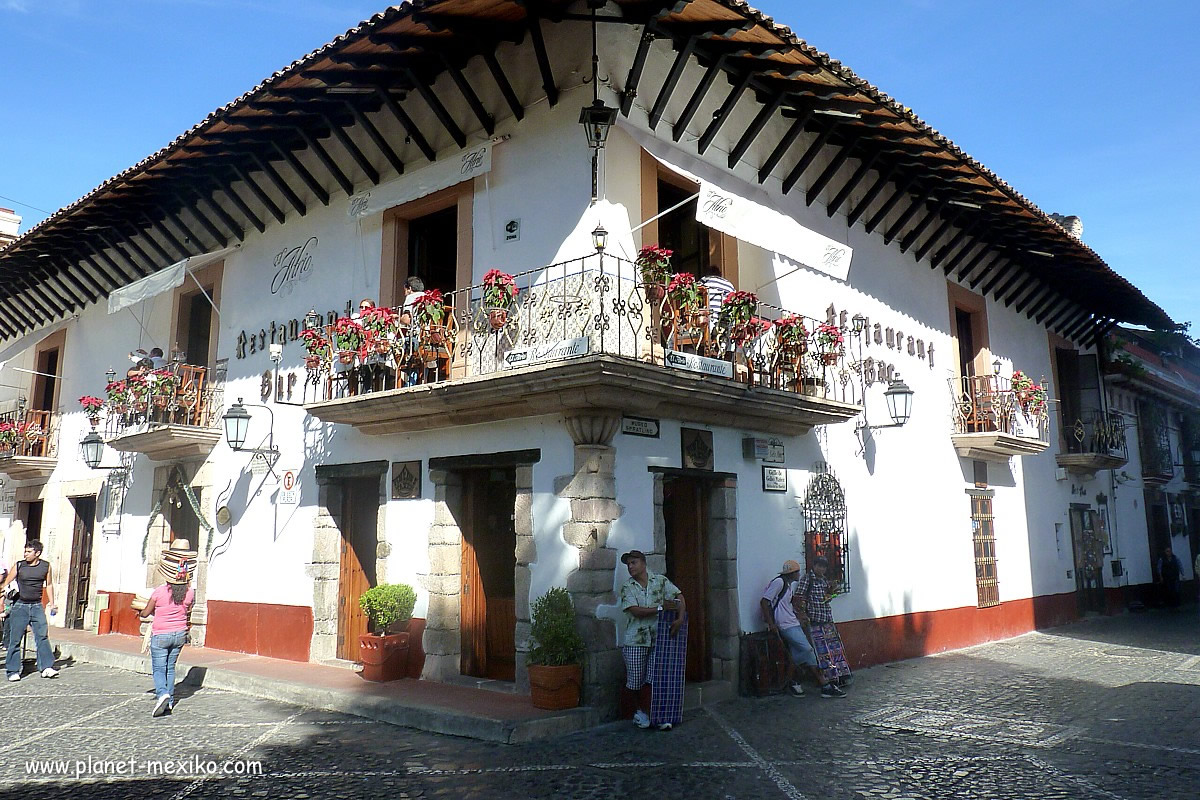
<point>780,613</point>
<point>30,574</point>
<point>812,596</point>
<point>642,597</point>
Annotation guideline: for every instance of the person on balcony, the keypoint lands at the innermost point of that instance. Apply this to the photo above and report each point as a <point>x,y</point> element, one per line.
<point>814,593</point>
<point>778,604</point>
<point>414,290</point>
<point>30,575</point>
<point>718,286</point>
<point>157,361</point>
<point>373,375</point>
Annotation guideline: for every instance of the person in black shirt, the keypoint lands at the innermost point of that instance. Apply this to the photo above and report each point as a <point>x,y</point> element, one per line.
<point>31,575</point>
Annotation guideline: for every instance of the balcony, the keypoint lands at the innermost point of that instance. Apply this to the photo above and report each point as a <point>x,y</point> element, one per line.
<point>577,336</point>
<point>1154,444</point>
<point>28,444</point>
<point>165,414</point>
<point>993,422</point>
<point>1094,442</point>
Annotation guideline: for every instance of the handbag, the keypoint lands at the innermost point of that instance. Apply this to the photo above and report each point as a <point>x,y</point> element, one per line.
<point>12,591</point>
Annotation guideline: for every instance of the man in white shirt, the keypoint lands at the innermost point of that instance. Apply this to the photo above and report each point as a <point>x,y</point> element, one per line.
<point>780,614</point>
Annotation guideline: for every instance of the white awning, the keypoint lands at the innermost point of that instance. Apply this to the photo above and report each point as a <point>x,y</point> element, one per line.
<point>425,181</point>
<point>750,220</point>
<point>165,279</point>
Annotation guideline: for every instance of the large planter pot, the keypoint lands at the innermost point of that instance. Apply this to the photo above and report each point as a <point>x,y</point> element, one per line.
<point>497,318</point>
<point>384,658</point>
<point>655,292</point>
<point>555,688</point>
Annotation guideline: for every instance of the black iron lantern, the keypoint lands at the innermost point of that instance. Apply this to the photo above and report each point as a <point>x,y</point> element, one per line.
<point>312,320</point>
<point>92,447</point>
<point>899,400</point>
<point>597,120</point>
<point>600,238</point>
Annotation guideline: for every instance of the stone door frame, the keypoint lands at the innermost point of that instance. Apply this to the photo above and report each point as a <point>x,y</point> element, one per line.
<point>325,566</point>
<point>442,639</point>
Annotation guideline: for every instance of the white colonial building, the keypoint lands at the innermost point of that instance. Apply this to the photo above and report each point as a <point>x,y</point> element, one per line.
<point>593,416</point>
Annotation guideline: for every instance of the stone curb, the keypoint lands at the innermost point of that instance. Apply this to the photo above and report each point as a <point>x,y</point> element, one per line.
<point>381,709</point>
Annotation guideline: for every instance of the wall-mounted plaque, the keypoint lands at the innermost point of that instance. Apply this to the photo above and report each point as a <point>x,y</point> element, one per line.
<point>697,449</point>
<point>774,479</point>
<point>640,426</point>
<point>406,480</point>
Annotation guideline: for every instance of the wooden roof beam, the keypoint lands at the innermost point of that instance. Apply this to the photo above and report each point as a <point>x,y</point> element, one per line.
<point>764,116</point>
<point>218,237</point>
<point>943,252</point>
<point>486,121</point>
<point>1033,302</point>
<point>376,138</point>
<point>884,177</point>
<point>439,110</point>
<point>505,87</point>
<point>113,267</point>
<point>302,172</point>
<point>913,207</point>
<point>280,184</point>
<point>880,215</point>
<point>976,246</point>
<point>227,188</point>
<point>672,80</point>
<point>356,154</point>
<point>831,169</point>
<point>220,213</point>
<point>543,61</point>
<point>242,174</point>
<point>635,71</point>
<point>809,156</point>
<point>935,237</point>
<point>911,237</point>
<point>781,149</point>
<point>723,113</point>
<point>1053,310</point>
<point>1016,287</point>
<point>704,29</point>
<point>864,167</point>
<point>1012,270</point>
<point>327,161</point>
<point>693,104</point>
<point>407,123</point>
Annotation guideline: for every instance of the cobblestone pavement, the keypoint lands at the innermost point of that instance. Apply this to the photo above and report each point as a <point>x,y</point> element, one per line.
<point>1108,708</point>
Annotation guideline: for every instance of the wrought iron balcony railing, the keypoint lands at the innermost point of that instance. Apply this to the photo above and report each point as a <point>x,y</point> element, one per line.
<point>1099,433</point>
<point>989,404</point>
<point>28,434</point>
<point>179,394</point>
<point>589,306</point>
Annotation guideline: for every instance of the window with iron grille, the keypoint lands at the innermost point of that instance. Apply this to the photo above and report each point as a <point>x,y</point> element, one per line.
<point>983,534</point>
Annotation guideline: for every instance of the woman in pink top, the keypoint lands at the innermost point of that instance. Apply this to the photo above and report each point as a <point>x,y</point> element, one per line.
<point>169,605</point>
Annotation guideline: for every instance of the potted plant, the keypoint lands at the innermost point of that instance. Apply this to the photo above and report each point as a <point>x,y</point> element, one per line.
<point>118,396</point>
<point>737,315</point>
<point>384,652</point>
<point>555,671</point>
<point>499,292</point>
<point>92,406</point>
<point>315,347</point>
<point>139,390</point>
<point>163,385</point>
<point>791,336</point>
<point>430,309</point>
<point>348,336</point>
<point>654,265</point>
<point>829,343</point>
<point>1022,384</point>
<point>9,436</point>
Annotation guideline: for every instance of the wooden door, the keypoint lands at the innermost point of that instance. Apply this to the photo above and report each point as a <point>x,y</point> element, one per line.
<point>488,607</point>
<point>360,514</point>
<point>1088,550</point>
<point>79,580</point>
<point>685,511</point>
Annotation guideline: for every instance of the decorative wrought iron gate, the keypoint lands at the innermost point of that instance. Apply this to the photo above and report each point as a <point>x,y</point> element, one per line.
<point>825,525</point>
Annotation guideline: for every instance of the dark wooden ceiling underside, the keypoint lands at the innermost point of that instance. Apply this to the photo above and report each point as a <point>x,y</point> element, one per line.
<point>884,168</point>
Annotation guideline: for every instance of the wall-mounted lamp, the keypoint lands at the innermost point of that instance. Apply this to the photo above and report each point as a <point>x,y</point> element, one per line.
<point>312,320</point>
<point>92,448</point>
<point>899,402</point>
<point>858,323</point>
<point>597,119</point>
<point>237,427</point>
<point>111,374</point>
<point>599,238</point>
<point>996,367</point>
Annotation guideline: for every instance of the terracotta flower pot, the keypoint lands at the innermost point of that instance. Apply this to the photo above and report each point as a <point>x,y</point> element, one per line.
<point>497,318</point>
<point>829,359</point>
<point>555,688</point>
<point>312,362</point>
<point>654,292</point>
<point>346,356</point>
<point>384,658</point>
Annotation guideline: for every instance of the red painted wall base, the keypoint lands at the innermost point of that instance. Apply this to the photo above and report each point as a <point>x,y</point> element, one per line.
<point>878,641</point>
<point>261,628</point>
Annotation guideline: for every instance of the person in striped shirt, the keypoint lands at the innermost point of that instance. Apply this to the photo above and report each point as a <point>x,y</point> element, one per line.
<point>717,287</point>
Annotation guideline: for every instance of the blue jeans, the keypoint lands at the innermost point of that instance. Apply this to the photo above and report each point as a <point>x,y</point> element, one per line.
<point>20,616</point>
<point>164,652</point>
<point>797,642</point>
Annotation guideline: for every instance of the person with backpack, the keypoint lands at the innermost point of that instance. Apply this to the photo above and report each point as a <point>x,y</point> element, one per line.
<point>30,575</point>
<point>779,605</point>
<point>813,593</point>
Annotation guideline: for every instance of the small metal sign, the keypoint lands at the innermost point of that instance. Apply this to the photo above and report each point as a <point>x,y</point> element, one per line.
<point>512,230</point>
<point>694,363</point>
<point>774,479</point>
<point>774,451</point>
<point>768,450</point>
<point>289,491</point>
<point>259,465</point>
<point>406,480</point>
<point>565,348</point>
<point>640,426</point>
<point>696,447</point>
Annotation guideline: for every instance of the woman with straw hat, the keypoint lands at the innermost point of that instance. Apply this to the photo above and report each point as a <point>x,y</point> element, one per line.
<point>169,605</point>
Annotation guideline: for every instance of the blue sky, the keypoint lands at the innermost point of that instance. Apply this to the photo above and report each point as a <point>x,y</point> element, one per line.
<point>1081,106</point>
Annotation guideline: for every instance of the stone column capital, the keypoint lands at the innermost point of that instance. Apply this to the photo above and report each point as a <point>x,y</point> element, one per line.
<point>595,426</point>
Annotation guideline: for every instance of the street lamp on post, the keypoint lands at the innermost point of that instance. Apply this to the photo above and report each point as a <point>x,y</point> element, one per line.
<point>237,428</point>
<point>600,238</point>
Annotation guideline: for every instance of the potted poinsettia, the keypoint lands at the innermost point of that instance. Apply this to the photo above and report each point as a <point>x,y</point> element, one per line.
<point>379,325</point>
<point>430,310</point>
<point>654,265</point>
<point>1021,386</point>
<point>555,669</point>
<point>384,651</point>
<point>92,406</point>
<point>829,343</point>
<point>315,347</point>
<point>9,436</point>
<point>118,396</point>
<point>499,292</point>
<point>791,335</point>
<point>139,391</point>
<point>163,385</point>
<point>737,315</point>
<point>348,336</point>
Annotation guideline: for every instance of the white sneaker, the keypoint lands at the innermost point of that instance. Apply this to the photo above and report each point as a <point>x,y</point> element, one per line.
<point>16,676</point>
<point>664,726</point>
<point>163,706</point>
<point>49,672</point>
<point>641,719</point>
<point>797,690</point>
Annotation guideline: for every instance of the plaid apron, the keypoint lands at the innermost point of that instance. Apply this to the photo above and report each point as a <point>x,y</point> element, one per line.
<point>667,668</point>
